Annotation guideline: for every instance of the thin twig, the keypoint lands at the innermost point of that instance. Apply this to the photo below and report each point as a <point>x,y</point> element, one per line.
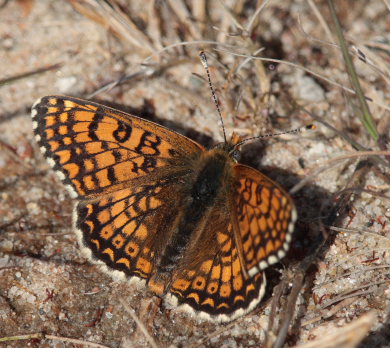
<point>251,22</point>
<point>42,336</point>
<point>329,163</point>
<point>141,326</point>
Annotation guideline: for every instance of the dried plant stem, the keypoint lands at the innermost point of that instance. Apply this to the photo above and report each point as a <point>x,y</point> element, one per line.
<point>363,111</point>
<point>139,323</point>
<point>328,164</point>
<point>309,71</point>
<point>41,336</point>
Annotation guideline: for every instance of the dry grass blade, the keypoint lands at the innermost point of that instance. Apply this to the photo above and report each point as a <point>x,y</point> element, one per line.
<point>277,294</point>
<point>41,336</point>
<point>110,15</point>
<point>184,16</point>
<point>351,296</point>
<point>369,57</point>
<point>252,21</point>
<point>348,336</point>
<point>358,50</point>
<point>134,76</point>
<point>231,14</point>
<point>199,11</point>
<point>289,309</point>
<point>342,134</point>
<point>21,337</point>
<point>331,312</point>
<point>346,137</point>
<point>76,341</point>
<point>387,3</point>
<point>363,111</point>
<point>18,77</point>
<point>309,71</point>
<point>321,19</point>
<point>359,230</point>
<point>327,165</point>
<point>348,274</point>
<point>155,24</point>
<point>200,43</point>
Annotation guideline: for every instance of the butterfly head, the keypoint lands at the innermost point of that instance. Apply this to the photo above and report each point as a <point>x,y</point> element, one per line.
<point>232,147</point>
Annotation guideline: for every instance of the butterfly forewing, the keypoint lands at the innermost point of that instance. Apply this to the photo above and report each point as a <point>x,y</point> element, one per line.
<point>98,149</point>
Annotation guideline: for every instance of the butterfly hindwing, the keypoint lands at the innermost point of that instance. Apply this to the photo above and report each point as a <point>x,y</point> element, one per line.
<point>216,283</point>
<point>127,229</point>
<point>265,214</point>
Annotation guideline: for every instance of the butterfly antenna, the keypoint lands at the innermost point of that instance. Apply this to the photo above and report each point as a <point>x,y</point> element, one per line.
<point>292,131</point>
<point>203,59</point>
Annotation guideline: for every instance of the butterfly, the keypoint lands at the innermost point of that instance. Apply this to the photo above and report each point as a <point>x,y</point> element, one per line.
<point>193,224</point>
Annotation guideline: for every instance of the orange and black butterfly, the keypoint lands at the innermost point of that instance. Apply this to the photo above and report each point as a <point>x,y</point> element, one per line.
<point>194,224</point>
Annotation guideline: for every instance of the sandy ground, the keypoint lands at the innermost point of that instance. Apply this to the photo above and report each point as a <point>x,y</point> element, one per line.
<point>47,287</point>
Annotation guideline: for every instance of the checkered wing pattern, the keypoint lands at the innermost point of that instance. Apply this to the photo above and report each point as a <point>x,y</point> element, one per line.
<point>216,283</point>
<point>97,150</point>
<point>265,216</point>
<point>126,229</point>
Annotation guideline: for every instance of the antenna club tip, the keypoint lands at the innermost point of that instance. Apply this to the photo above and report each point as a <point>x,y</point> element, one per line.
<point>203,58</point>
<point>309,127</point>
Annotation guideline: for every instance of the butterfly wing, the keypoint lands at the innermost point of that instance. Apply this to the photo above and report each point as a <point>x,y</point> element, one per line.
<point>255,220</point>
<point>215,286</point>
<point>96,149</point>
<point>265,216</point>
<point>124,170</point>
<point>128,228</point>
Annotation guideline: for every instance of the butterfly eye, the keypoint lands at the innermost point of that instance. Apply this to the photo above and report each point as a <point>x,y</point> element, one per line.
<point>236,155</point>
